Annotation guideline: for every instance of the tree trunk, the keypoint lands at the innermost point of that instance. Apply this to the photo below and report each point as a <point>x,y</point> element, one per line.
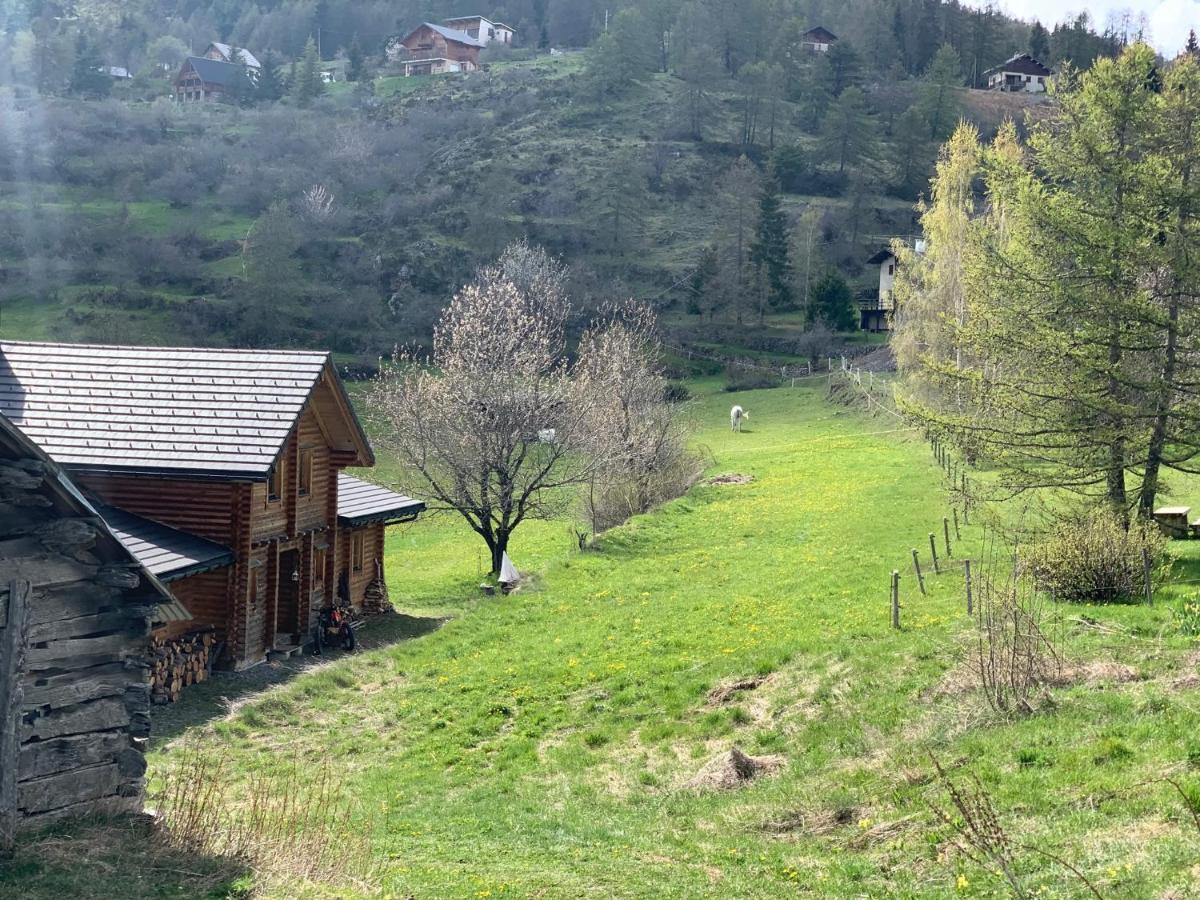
<point>498,546</point>
<point>1158,433</point>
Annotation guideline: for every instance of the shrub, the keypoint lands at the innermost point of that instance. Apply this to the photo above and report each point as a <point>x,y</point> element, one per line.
<point>742,379</point>
<point>1014,656</point>
<point>1098,561</point>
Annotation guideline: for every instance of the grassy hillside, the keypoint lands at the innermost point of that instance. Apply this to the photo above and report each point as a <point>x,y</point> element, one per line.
<point>542,744</point>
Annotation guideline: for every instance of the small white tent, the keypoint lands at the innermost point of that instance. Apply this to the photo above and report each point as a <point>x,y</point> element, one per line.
<point>508,572</point>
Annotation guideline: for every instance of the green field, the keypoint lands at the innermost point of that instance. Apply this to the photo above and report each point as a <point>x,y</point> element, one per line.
<point>540,744</point>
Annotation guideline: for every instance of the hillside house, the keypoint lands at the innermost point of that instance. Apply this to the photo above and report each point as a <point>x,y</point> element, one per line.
<point>436,50</point>
<point>876,309</point>
<point>1020,73</point>
<point>225,53</point>
<point>75,611</point>
<point>818,39</point>
<point>223,472</point>
<point>483,30</point>
<point>203,80</point>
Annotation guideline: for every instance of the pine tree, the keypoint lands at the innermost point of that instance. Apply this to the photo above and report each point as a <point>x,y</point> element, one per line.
<point>354,61</point>
<point>833,303</point>
<point>911,151</point>
<point>270,85</point>
<point>939,100</point>
<point>88,78</point>
<point>1039,42</point>
<point>307,85</point>
<point>241,89</point>
<point>770,251</point>
<point>848,132</point>
<point>1192,47</point>
<point>844,69</point>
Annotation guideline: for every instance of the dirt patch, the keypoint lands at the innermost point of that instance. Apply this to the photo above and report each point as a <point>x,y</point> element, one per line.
<point>731,478</point>
<point>963,679</point>
<point>1095,672</point>
<point>729,690</point>
<point>732,769</point>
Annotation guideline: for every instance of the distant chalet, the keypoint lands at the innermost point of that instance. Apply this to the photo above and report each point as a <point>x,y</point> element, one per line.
<point>818,39</point>
<point>222,472</point>
<point>1021,73</point>
<point>453,46</point>
<point>202,80</point>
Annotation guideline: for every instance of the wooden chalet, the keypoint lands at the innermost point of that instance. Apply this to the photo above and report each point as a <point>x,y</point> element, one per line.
<point>435,50</point>
<point>1021,73</point>
<point>75,610</point>
<point>223,471</point>
<point>201,79</point>
<point>818,39</point>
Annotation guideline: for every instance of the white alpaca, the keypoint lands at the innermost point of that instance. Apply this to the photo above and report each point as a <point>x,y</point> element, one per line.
<point>736,415</point>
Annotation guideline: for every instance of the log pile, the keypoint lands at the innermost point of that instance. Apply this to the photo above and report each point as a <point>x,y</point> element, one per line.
<point>375,597</point>
<point>179,662</point>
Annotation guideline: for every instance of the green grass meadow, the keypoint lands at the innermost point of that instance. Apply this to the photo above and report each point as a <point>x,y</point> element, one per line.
<point>540,744</point>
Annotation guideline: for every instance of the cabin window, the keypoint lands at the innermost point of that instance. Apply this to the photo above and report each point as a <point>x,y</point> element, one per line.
<point>306,464</point>
<point>891,268</point>
<point>357,552</point>
<point>275,483</point>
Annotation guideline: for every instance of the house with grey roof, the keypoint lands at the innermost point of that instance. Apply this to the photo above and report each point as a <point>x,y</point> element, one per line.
<point>222,472</point>
<point>1021,73</point>
<point>431,49</point>
<point>201,79</point>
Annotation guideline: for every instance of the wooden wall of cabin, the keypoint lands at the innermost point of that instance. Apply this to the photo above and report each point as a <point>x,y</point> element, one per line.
<point>297,510</point>
<point>199,507</point>
<point>373,538</point>
<point>208,597</point>
<point>74,610</point>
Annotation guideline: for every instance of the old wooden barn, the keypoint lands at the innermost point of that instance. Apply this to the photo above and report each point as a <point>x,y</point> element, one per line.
<point>223,472</point>
<point>75,611</point>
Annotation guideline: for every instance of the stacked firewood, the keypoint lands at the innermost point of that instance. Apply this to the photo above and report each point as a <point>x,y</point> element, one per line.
<point>375,597</point>
<point>176,663</point>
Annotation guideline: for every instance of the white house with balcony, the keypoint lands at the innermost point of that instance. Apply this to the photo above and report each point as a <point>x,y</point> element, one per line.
<point>1022,73</point>
<point>483,30</point>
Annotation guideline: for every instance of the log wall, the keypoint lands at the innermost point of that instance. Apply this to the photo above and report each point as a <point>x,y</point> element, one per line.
<point>75,613</point>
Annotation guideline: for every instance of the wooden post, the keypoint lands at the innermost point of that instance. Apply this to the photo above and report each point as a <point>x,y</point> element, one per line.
<point>895,599</point>
<point>933,553</point>
<point>946,532</point>
<point>1146,572</point>
<point>14,638</point>
<point>967,573</point>
<point>917,568</point>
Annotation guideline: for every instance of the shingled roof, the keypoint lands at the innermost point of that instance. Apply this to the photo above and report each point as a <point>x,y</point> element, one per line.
<point>167,411</point>
<point>1021,64</point>
<point>213,71</point>
<point>360,502</point>
<point>453,34</point>
<point>168,553</point>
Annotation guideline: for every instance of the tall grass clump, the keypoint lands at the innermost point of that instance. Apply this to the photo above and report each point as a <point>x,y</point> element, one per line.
<point>287,828</point>
<point>1097,561</point>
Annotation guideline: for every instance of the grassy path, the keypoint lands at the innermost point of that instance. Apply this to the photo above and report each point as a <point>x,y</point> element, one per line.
<point>539,744</point>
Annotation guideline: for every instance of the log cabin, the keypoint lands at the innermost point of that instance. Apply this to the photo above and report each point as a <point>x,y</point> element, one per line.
<point>431,49</point>
<point>75,609</point>
<point>223,472</point>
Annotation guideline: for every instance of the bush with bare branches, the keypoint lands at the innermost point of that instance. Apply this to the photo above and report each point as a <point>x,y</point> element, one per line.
<point>1014,655</point>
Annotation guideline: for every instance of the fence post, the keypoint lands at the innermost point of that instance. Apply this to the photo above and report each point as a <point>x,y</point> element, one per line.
<point>957,533</point>
<point>895,599</point>
<point>946,532</point>
<point>917,569</point>
<point>1146,574</point>
<point>933,553</point>
<point>967,574</point>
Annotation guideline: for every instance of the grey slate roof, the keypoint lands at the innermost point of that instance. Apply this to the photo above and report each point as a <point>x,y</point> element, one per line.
<point>16,446</point>
<point>213,71</point>
<point>1021,64</point>
<point>880,256</point>
<point>156,410</point>
<point>452,34</point>
<point>245,55</point>
<point>166,552</point>
<point>819,35</point>
<point>360,502</point>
